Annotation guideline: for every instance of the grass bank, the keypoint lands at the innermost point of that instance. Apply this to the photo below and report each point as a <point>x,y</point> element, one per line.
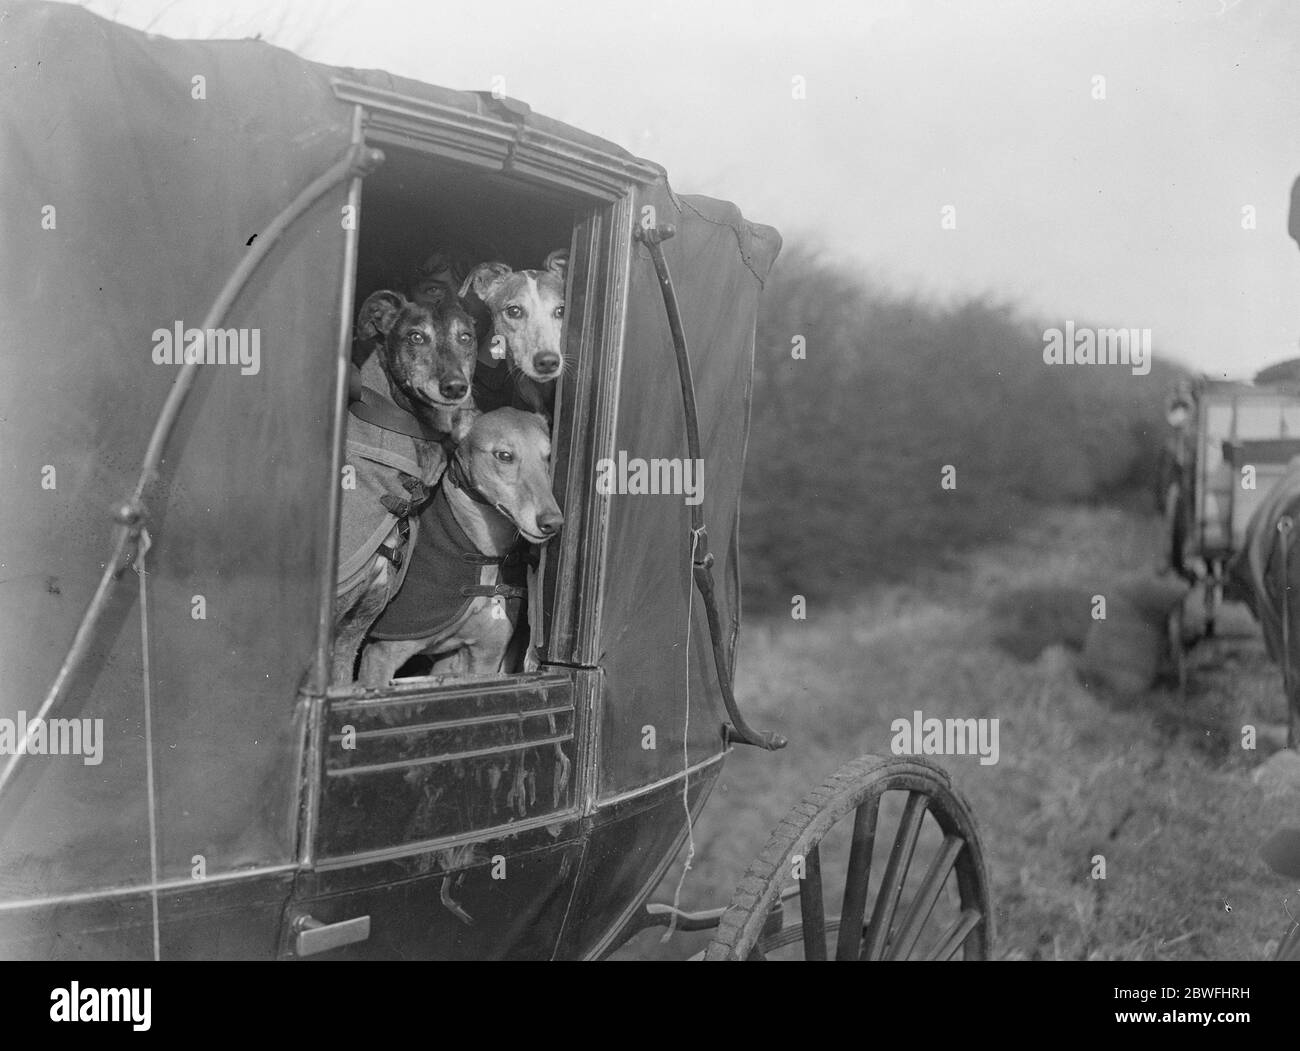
<point>1160,787</point>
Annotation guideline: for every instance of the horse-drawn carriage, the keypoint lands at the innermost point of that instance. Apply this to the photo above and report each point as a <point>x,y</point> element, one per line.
<point>182,780</point>
<point>1229,444</point>
<point>1226,488</point>
<point>1231,494</point>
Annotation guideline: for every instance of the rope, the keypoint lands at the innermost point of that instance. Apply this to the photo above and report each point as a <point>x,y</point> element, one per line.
<point>142,573</point>
<point>696,535</point>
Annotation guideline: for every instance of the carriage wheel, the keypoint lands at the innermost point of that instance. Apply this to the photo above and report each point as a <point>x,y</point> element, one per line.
<point>947,909</point>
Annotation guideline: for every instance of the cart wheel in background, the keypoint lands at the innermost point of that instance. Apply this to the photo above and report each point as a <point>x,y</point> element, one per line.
<point>887,907</point>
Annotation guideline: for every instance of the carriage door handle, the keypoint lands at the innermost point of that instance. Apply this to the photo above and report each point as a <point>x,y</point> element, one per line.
<point>312,937</point>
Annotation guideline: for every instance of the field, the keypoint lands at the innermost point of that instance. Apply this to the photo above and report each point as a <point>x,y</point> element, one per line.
<point>1160,786</point>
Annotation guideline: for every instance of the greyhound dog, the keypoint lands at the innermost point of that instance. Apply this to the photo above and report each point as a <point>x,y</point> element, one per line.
<point>455,603</point>
<point>410,403</point>
<point>527,313</point>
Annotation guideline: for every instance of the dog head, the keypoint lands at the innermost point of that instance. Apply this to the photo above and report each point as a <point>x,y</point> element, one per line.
<point>527,309</point>
<point>507,456</point>
<point>428,352</point>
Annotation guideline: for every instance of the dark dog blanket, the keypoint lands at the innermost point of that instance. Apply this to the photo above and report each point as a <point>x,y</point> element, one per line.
<point>385,470</point>
<point>445,575</point>
<point>497,386</point>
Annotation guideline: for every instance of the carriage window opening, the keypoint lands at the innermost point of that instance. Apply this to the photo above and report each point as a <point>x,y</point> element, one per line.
<point>459,301</point>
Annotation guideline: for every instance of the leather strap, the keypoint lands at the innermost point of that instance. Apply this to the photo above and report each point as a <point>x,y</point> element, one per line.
<point>373,407</point>
<point>458,475</point>
<point>521,554</point>
<point>397,552</point>
<point>504,590</point>
<point>420,494</point>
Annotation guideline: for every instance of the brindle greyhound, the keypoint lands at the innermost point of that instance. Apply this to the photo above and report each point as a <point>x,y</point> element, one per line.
<point>411,402</point>
<point>455,604</point>
<point>527,314</point>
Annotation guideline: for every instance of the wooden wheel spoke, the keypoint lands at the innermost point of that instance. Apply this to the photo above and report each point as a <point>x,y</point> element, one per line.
<point>752,927</point>
<point>922,906</point>
<point>811,910</point>
<point>859,877</point>
<point>955,936</point>
<point>891,887</point>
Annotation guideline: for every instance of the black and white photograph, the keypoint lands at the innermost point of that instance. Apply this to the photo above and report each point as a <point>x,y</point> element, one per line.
<point>652,482</point>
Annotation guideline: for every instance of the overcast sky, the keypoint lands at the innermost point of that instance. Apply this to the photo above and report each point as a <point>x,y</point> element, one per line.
<point>1125,210</point>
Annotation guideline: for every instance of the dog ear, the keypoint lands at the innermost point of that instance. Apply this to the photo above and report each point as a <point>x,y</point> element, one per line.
<point>558,261</point>
<point>482,278</point>
<point>378,313</point>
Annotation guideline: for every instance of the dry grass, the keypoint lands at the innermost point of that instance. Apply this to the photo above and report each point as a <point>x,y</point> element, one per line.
<point>1160,787</point>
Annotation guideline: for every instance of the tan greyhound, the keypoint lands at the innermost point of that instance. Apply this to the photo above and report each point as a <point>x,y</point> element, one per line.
<point>527,311</point>
<point>456,603</point>
<point>410,403</point>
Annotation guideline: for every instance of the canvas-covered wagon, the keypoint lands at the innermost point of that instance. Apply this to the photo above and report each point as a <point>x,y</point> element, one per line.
<point>169,538</point>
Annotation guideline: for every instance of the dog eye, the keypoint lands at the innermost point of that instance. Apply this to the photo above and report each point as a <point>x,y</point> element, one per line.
<point>514,312</point>
<point>464,337</point>
<point>504,455</point>
<point>559,311</point>
<point>415,336</point>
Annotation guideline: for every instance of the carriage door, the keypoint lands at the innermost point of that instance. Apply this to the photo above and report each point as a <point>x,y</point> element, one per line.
<point>443,824</point>
<point>444,815</point>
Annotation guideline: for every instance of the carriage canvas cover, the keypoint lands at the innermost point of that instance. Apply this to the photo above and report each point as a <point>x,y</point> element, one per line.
<point>135,172</point>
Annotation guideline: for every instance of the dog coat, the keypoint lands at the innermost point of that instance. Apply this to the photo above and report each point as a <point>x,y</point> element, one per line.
<point>497,387</point>
<point>493,388</point>
<point>385,469</point>
<point>445,575</point>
